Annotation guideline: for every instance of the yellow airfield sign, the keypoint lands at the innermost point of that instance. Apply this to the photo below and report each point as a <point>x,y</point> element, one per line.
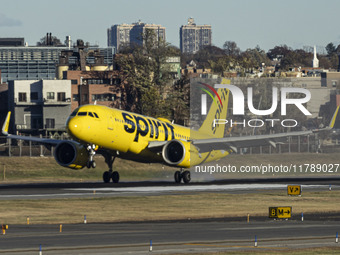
<point>294,190</point>
<point>283,212</point>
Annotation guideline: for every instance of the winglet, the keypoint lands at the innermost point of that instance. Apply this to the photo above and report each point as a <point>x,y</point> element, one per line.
<point>333,120</point>
<point>6,124</point>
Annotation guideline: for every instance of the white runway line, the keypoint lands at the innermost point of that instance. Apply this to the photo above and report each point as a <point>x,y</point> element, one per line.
<point>231,187</point>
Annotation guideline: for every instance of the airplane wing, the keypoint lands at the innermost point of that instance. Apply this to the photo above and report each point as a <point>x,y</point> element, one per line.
<point>234,143</point>
<point>48,141</point>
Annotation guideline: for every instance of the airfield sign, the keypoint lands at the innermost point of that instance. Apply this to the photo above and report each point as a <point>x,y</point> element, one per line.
<point>284,212</point>
<point>294,190</point>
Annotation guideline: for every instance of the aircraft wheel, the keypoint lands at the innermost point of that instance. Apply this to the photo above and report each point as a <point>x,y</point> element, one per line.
<point>93,164</point>
<point>186,177</point>
<point>115,177</point>
<point>178,177</point>
<point>106,176</point>
<point>88,164</point>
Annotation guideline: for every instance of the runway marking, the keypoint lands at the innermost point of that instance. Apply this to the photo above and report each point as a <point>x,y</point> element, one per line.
<point>236,246</point>
<point>109,191</point>
<point>231,187</point>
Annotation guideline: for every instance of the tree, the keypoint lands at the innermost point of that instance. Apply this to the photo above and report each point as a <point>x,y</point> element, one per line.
<point>279,51</point>
<point>330,48</point>
<point>207,54</point>
<point>231,49</point>
<point>222,64</point>
<point>147,76</point>
<point>49,40</point>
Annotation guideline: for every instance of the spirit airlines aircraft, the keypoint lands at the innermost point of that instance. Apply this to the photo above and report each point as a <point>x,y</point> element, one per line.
<point>117,133</point>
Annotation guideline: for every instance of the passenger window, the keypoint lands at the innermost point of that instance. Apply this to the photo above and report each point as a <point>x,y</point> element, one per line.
<point>91,114</point>
<point>82,113</point>
<point>95,114</point>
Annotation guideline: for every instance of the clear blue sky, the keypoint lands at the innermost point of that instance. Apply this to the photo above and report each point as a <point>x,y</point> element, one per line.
<point>266,23</point>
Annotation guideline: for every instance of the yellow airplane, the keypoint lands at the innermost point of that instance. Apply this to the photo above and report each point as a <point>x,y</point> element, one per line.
<point>117,133</point>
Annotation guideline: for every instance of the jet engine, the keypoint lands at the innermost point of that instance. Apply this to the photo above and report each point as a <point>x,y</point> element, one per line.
<point>71,154</point>
<point>176,153</point>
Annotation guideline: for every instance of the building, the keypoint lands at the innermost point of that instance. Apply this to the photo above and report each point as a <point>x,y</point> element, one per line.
<point>173,64</point>
<point>129,34</point>
<point>91,74</point>
<point>330,80</point>
<point>89,87</point>
<point>12,42</point>
<point>35,63</point>
<point>194,37</point>
<point>3,100</point>
<point>39,106</point>
<point>119,35</point>
<point>29,63</point>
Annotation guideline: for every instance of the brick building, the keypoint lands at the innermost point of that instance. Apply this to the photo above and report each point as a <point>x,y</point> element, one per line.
<point>89,87</point>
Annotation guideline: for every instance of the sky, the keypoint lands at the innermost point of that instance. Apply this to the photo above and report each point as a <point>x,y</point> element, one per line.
<point>249,23</point>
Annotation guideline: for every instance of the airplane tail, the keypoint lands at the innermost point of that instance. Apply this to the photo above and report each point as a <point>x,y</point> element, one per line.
<point>335,121</point>
<point>218,110</point>
<point>6,124</point>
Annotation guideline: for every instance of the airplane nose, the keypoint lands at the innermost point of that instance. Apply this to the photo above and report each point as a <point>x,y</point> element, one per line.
<point>73,127</point>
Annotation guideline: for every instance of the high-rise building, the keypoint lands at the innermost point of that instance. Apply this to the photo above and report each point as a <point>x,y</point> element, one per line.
<point>127,34</point>
<point>194,37</point>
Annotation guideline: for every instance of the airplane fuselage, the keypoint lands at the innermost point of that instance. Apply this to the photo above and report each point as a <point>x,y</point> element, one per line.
<point>129,135</point>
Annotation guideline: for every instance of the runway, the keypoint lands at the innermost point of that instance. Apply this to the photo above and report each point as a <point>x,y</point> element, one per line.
<point>234,186</point>
<point>168,237</point>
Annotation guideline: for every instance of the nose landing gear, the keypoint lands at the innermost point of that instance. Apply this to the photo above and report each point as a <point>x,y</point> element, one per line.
<point>92,151</point>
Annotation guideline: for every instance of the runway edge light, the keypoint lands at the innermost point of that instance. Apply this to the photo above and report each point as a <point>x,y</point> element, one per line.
<point>336,237</point>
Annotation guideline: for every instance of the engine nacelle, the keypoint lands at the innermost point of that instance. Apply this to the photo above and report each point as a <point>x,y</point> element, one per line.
<point>177,153</point>
<point>71,154</point>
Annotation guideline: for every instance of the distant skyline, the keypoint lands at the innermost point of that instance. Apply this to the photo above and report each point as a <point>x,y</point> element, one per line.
<point>249,23</point>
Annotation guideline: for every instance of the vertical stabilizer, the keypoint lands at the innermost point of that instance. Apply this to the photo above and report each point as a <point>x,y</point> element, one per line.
<point>218,110</point>
<point>6,124</point>
<point>335,123</point>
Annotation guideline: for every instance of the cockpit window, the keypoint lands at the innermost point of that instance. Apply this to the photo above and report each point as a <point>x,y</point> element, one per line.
<point>95,114</point>
<point>91,114</point>
<point>74,113</point>
<point>82,114</point>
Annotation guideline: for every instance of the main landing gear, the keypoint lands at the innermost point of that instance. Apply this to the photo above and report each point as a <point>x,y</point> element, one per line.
<point>108,175</point>
<point>109,159</point>
<point>180,175</point>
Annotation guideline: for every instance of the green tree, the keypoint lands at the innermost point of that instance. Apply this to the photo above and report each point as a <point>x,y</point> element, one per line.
<point>330,48</point>
<point>147,76</point>
<point>279,51</point>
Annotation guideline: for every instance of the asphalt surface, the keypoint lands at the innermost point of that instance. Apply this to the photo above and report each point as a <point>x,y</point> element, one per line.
<point>169,237</point>
<point>98,189</point>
